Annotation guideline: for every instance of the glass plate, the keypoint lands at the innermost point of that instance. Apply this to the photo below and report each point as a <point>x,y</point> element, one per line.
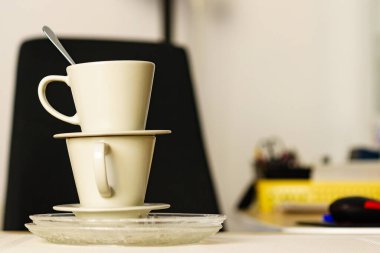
<point>156,229</point>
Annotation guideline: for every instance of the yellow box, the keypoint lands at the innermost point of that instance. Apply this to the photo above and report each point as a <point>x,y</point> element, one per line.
<point>271,193</point>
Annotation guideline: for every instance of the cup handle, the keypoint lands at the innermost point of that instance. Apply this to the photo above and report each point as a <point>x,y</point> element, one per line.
<point>100,169</point>
<point>42,96</point>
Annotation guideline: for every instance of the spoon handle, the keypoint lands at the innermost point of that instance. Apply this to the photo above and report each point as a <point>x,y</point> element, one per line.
<point>54,39</point>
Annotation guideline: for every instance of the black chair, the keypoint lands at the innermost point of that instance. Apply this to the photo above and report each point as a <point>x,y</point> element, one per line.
<point>39,169</point>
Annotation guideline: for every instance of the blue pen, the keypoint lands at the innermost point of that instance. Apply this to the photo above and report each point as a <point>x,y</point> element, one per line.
<point>328,218</point>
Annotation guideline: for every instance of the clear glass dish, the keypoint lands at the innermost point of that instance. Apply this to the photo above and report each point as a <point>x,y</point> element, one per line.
<point>156,229</point>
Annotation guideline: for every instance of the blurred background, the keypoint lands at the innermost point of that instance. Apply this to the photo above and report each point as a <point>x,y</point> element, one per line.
<point>305,71</point>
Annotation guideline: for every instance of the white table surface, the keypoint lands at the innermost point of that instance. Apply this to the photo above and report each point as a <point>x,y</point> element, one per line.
<point>16,242</point>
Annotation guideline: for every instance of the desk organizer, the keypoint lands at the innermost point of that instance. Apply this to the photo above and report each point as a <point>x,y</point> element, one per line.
<point>272,194</point>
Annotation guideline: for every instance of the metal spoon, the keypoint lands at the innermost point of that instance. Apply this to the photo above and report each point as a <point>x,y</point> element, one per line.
<point>54,39</point>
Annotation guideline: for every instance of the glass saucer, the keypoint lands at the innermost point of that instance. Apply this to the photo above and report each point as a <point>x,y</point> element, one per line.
<point>155,229</point>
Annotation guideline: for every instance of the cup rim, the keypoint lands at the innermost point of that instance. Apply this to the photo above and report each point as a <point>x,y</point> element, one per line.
<point>110,61</point>
<point>104,134</point>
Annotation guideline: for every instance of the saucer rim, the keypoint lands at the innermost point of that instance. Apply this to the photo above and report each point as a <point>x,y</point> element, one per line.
<point>204,218</point>
<point>119,133</point>
<point>77,208</point>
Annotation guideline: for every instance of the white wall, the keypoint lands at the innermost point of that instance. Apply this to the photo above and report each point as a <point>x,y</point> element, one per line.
<point>298,69</point>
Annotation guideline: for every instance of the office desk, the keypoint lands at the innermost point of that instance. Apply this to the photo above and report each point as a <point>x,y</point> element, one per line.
<point>288,223</point>
<point>21,242</point>
<point>253,220</point>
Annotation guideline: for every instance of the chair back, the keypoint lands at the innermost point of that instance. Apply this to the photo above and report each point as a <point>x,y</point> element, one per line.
<point>40,175</point>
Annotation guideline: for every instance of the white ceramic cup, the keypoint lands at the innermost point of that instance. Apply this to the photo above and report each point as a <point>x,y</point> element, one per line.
<point>111,171</point>
<point>108,95</point>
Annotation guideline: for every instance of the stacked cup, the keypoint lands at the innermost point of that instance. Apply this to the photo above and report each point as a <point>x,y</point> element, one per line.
<point>112,156</point>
